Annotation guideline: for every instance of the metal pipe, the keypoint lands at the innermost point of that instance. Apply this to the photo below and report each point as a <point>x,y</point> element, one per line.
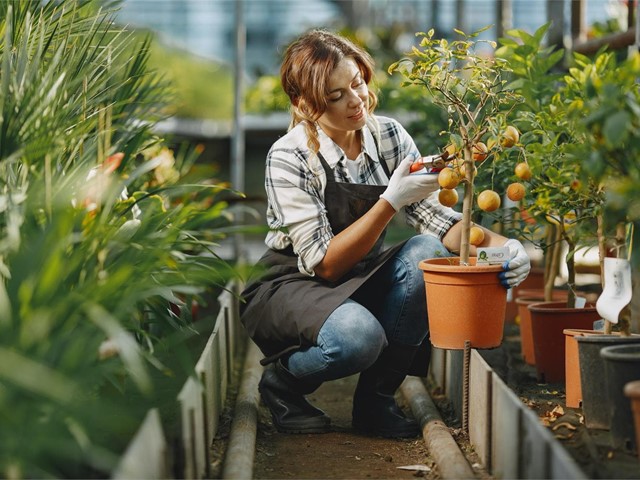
<point>637,45</point>
<point>504,17</point>
<point>450,460</point>
<point>240,454</point>
<point>237,139</point>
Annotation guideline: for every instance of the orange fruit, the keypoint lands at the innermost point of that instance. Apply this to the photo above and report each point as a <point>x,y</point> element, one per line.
<point>480,152</point>
<point>448,197</point>
<point>515,191</point>
<point>455,164</point>
<point>488,200</point>
<point>448,178</point>
<point>449,151</point>
<point>523,171</point>
<point>416,166</point>
<point>510,136</point>
<point>463,170</point>
<point>476,236</point>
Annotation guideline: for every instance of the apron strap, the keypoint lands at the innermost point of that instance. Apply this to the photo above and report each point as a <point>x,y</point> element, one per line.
<point>327,169</point>
<point>329,172</point>
<point>382,161</point>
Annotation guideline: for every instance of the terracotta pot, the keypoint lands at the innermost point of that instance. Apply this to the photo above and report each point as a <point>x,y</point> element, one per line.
<point>464,303</point>
<point>632,391</point>
<point>534,281</point>
<point>595,401</point>
<point>621,365</point>
<point>526,335</point>
<point>548,321</point>
<point>573,387</point>
<point>539,293</point>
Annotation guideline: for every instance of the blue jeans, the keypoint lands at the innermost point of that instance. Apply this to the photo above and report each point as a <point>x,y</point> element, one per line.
<point>389,308</point>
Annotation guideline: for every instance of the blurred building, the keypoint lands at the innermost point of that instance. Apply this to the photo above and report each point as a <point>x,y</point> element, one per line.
<point>206,27</point>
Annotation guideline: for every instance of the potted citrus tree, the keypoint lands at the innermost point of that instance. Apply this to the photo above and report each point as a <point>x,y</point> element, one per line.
<point>572,205</point>
<point>569,208</point>
<point>465,80</point>
<point>534,75</point>
<point>609,121</point>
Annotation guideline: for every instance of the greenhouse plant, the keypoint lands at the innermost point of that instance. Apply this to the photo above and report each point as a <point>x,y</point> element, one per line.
<point>105,239</point>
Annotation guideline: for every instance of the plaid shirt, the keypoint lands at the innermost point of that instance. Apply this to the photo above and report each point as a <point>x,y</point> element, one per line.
<point>295,183</point>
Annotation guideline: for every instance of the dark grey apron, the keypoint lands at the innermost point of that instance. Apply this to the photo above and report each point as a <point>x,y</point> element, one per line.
<point>283,309</point>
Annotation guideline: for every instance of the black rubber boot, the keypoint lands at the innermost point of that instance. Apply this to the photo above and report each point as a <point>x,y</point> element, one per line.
<point>284,395</point>
<point>375,411</point>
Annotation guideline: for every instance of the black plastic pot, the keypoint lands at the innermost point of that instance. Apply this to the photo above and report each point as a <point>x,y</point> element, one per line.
<point>622,365</point>
<point>595,400</point>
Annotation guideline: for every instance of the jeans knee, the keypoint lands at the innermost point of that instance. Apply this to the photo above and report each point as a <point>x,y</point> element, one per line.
<point>416,249</point>
<point>362,336</point>
<point>366,342</point>
<point>420,247</point>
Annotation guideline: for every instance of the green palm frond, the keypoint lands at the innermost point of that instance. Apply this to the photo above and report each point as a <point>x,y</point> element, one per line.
<point>91,258</point>
<point>62,74</point>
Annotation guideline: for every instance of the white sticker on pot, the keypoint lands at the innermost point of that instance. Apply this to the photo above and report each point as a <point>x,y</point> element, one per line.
<point>492,255</point>
<point>617,288</point>
<point>580,302</point>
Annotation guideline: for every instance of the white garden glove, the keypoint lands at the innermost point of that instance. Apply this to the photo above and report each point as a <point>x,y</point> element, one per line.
<point>405,189</point>
<point>516,269</point>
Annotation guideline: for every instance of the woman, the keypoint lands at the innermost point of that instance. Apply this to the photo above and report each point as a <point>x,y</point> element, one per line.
<point>332,301</point>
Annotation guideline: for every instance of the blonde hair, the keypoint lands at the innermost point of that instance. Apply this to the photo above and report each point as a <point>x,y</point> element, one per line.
<point>307,65</point>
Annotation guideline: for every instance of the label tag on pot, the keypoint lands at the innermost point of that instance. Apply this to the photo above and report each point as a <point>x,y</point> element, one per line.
<point>492,255</point>
<point>580,302</point>
<point>617,288</point>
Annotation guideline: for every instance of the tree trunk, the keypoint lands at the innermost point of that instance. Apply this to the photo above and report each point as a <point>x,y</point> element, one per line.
<point>571,273</point>
<point>552,261</point>
<point>467,207</point>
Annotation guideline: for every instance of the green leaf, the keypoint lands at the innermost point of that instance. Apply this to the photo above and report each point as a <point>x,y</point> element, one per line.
<point>35,377</point>
<point>129,349</point>
<point>615,128</point>
<point>541,31</point>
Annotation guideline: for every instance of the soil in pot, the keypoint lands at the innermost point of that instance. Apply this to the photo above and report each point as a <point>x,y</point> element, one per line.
<point>595,401</point>
<point>548,322</point>
<point>621,365</point>
<point>464,303</point>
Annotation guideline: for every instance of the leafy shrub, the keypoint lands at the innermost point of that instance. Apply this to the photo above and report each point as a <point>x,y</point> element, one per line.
<point>105,238</point>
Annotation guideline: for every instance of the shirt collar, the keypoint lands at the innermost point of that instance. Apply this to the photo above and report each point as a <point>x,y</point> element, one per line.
<point>333,154</point>
<point>370,146</point>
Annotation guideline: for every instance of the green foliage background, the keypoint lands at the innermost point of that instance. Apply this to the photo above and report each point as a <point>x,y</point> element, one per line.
<point>106,239</point>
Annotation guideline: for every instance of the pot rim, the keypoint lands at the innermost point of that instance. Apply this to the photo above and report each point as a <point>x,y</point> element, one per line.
<point>448,265</point>
<point>629,352</point>
<point>528,300</point>
<point>559,306</point>
<point>582,332</point>
<point>608,337</point>
<point>632,389</point>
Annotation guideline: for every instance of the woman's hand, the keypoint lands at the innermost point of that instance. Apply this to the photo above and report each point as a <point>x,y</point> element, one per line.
<point>405,189</point>
<point>516,269</point>
<point>352,244</point>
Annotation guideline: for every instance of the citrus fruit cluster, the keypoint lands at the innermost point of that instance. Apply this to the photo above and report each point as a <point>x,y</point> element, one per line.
<point>488,200</point>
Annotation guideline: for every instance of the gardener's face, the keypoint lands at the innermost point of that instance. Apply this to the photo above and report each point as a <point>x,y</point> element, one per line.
<point>347,99</point>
